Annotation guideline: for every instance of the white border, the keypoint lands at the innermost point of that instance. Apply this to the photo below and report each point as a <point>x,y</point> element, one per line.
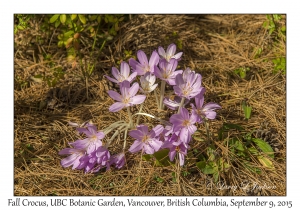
<point>153,6</point>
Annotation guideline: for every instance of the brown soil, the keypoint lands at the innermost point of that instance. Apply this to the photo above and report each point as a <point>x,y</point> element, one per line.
<point>213,45</point>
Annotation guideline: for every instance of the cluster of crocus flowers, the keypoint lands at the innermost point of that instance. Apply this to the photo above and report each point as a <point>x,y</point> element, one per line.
<point>91,154</point>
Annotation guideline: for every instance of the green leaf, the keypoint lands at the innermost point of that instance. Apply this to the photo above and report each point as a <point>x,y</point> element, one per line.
<point>265,162</point>
<point>207,168</point>
<point>73,16</point>
<point>226,127</point>
<point>99,19</point>
<point>53,18</point>
<point>250,167</point>
<point>82,19</point>
<point>63,18</point>
<point>68,34</point>
<point>265,147</point>
<point>216,176</point>
<point>146,157</point>
<point>247,111</point>
<point>57,23</point>
<point>162,158</point>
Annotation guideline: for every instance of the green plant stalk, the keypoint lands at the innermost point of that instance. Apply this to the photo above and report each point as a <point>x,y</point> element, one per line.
<point>125,138</point>
<point>130,117</point>
<point>181,104</point>
<point>207,131</point>
<point>162,93</point>
<point>140,110</point>
<point>156,98</point>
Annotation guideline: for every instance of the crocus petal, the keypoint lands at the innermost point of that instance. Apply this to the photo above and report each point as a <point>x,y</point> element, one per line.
<point>178,55</point>
<point>148,149</point>
<point>134,89</point>
<point>136,146</point>
<point>155,144</point>
<point>114,95</point>
<point>157,72</point>
<point>133,63</point>
<point>125,69</point>
<point>124,87</point>
<point>116,107</point>
<point>211,106</point>
<point>112,79</point>
<point>76,163</point>
<point>115,72</point>
<point>171,50</point>
<point>144,129</point>
<point>172,154</point>
<point>136,134</point>
<point>199,99</point>
<point>67,151</point>
<point>139,69</point>
<point>138,99</point>
<point>132,77</point>
<point>142,58</point>
<point>80,144</point>
<point>179,79</point>
<point>154,59</point>
<point>68,161</point>
<point>184,135</point>
<point>161,52</point>
<point>210,114</point>
<point>181,159</point>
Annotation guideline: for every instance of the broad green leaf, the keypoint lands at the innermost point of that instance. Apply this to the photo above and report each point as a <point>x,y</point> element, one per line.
<point>73,16</point>
<point>162,158</point>
<point>226,127</point>
<point>265,147</point>
<point>210,168</point>
<point>99,18</point>
<point>253,151</point>
<point>146,157</point>
<point>201,164</point>
<point>242,74</point>
<point>63,18</point>
<point>68,34</point>
<point>57,23</point>
<point>93,17</point>
<point>265,162</point>
<point>53,18</point>
<point>82,19</point>
<point>216,176</point>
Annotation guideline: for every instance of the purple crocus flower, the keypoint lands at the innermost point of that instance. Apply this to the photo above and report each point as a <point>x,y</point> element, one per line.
<point>124,75</point>
<point>170,53</point>
<point>184,123</point>
<point>75,158</point>
<point>145,140</point>
<point>118,160</point>
<point>143,65</point>
<point>176,146</point>
<point>147,83</point>
<point>174,104</point>
<point>93,140</point>
<point>206,111</point>
<point>127,97</point>
<point>166,71</point>
<point>188,84</point>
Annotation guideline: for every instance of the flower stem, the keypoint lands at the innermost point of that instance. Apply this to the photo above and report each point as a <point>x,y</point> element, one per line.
<point>181,104</point>
<point>140,110</point>
<point>125,138</point>
<point>130,117</point>
<point>207,131</point>
<point>162,93</point>
<point>156,98</point>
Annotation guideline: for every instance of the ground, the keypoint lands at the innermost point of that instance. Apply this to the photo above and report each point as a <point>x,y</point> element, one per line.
<point>216,46</point>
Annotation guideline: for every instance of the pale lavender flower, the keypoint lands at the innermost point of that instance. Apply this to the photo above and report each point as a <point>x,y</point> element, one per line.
<point>93,140</point>
<point>145,140</point>
<point>174,104</point>
<point>100,158</point>
<point>147,83</point>
<point>184,123</point>
<point>176,146</point>
<point>170,53</point>
<point>123,75</point>
<point>188,84</point>
<point>75,158</point>
<point>206,111</point>
<point>118,160</point>
<point>143,65</point>
<point>166,71</point>
<point>127,98</point>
